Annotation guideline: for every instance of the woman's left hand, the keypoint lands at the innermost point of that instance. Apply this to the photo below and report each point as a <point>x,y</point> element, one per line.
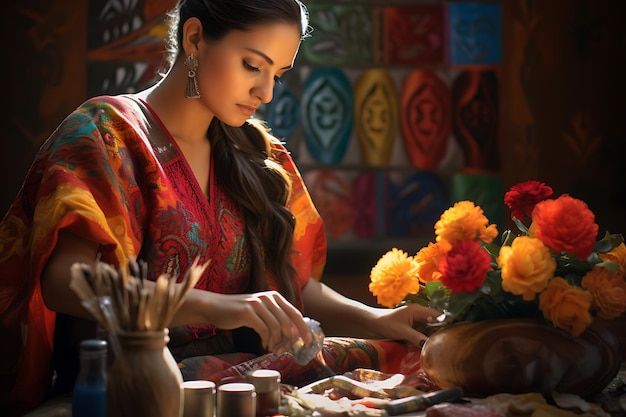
<point>359,320</point>
<point>408,322</point>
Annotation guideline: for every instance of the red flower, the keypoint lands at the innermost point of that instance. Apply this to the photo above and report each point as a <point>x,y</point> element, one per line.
<point>523,197</point>
<point>566,225</point>
<point>465,266</point>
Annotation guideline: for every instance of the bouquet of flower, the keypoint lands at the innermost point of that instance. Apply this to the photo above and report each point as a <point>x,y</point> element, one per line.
<point>554,268</point>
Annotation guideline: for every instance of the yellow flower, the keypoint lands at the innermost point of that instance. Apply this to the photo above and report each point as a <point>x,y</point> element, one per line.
<point>394,277</point>
<point>567,307</point>
<point>463,221</point>
<point>609,291</point>
<point>617,255</point>
<point>527,266</point>
<point>428,262</point>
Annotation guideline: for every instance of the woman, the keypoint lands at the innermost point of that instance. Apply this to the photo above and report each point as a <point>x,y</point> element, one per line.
<point>176,172</point>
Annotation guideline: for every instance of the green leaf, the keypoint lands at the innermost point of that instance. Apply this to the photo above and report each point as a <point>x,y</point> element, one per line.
<point>460,302</point>
<point>507,238</point>
<point>440,299</point>
<point>431,287</point>
<point>493,250</point>
<point>610,265</point>
<point>521,226</point>
<point>492,285</point>
<point>609,242</point>
<point>420,298</point>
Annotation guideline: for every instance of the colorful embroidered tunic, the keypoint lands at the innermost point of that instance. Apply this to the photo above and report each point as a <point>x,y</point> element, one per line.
<point>111,173</point>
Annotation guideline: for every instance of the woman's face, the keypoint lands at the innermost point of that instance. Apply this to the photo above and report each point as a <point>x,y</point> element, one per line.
<point>237,73</point>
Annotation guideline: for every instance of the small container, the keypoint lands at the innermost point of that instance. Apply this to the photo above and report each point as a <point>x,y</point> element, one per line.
<point>199,398</point>
<point>267,386</point>
<point>303,354</point>
<point>89,397</point>
<point>236,399</point>
<point>144,379</point>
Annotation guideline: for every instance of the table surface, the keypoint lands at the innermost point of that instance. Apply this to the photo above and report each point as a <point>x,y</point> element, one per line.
<point>62,407</point>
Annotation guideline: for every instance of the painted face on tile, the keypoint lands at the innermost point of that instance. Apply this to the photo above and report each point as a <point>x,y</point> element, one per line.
<point>376,115</point>
<point>283,114</point>
<point>327,114</point>
<point>425,118</point>
<point>425,113</point>
<point>475,121</point>
<point>376,108</point>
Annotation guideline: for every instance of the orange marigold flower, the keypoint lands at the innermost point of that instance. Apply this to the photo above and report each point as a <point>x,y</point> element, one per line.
<point>463,221</point>
<point>532,230</point>
<point>566,224</point>
<point>465,266</point>
<point>428,262</point>
<point>609,291</point>
<point>394,277</point>
<point>527,266</point>
<point>617,255</point>
<point>567,307</point>
<point>523,197</point>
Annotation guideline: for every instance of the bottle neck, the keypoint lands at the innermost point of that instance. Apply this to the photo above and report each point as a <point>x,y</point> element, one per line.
<point>91,361</point>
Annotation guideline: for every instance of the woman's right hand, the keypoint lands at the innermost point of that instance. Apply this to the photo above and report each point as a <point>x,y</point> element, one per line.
<point>277,322</point>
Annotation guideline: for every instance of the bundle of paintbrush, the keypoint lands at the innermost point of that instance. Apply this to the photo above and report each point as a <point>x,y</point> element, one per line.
<point>125,300</point>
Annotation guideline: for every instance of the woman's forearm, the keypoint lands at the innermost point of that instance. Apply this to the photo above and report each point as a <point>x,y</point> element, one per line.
<point>338,315</point>
<point>56,276</point>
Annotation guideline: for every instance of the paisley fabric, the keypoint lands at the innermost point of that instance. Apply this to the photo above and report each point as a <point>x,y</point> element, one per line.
<point>112,174</point>
<point>340,354</point>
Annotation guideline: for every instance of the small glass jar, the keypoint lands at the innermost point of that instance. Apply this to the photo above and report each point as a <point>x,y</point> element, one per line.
<point>267,386</point>
<point>199,398</point>
<point>236,399</point>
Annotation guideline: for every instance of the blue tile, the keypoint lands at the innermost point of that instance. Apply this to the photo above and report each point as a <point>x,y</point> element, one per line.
<point>475,33</point>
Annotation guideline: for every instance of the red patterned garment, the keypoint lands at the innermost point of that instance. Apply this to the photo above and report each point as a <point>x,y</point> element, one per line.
<point>111,173</point>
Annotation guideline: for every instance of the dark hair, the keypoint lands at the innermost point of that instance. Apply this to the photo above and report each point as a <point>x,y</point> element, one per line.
<point>247,155</point>
<point>218,17</point>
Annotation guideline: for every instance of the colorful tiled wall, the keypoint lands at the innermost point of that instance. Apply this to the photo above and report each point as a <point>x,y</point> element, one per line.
<point>393,113</point>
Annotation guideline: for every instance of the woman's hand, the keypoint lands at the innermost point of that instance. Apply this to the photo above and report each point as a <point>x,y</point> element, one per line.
<point>359,320</point>
<point>277,321</point>
<point>408,322</point>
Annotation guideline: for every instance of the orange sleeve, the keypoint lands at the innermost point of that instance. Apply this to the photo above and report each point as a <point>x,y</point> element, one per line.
<point>310,243</point>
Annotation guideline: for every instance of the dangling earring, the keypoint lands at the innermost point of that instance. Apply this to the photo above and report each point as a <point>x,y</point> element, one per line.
<point>191,91</point>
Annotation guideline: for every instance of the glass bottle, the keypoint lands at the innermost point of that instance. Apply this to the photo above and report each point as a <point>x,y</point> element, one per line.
<point>303,354</point>
<point>89,396</point>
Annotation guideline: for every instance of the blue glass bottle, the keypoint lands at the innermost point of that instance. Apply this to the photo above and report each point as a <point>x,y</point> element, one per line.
<point>89,397</point>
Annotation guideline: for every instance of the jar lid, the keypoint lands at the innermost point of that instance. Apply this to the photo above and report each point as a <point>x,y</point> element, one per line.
<point>236,399</point>
<point>264,379</point>
<point>198,385</point>
<point>234,388</point>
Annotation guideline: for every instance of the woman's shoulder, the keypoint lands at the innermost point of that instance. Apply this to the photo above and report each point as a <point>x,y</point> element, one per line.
<point>106,118</point>
<point>122,103</point>
<point>116,112</point>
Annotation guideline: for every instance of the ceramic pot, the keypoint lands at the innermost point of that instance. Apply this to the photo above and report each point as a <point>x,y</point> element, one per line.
<point>144,380</point>
<point>520,356</point>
